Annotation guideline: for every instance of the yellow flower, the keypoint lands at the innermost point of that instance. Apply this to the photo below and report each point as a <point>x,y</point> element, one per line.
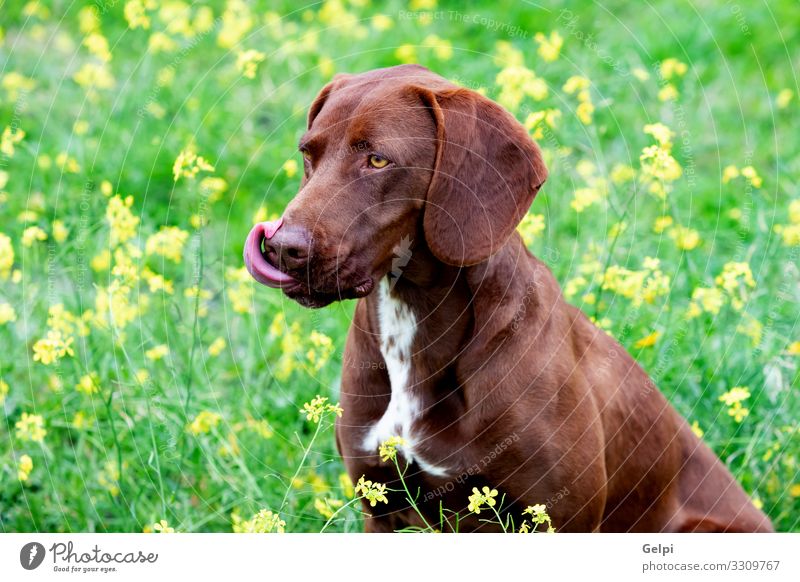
<point>752,176</point>
<point>706,299</point>
<point>648,341</point>
<point>784,98</point>
<point>16,84</point>
<point>60,232</point>
<point>32,234</point>
<point>406,53</point>
<point>536,121</point>
<point>6,256</point>
<point>531,227</point>
<point>538,516</point>
<point>729,173</point>
<point>685,238</point>
<point>135,13</point>
<point>443,49</point>
<point>346,485</point>
<point>188,164</point>
<point>216,347</point>
<point>751,327</point>
<point>30,427</point>
<point>327,506</point>
<point>697,430</point>
<point>265,521</point>
<point>9,139</point>
<point>583,198</point>
<point>661,224</point>
<point>7,313</point>
<point>672,67</point>
<point>204,422</point>
<point>622,173</point>
<point>668,93</point>
<point>247,62</point>
<point>793,349</point>
<point>374,493</point>
<point>388,448</point>
<point>478,499</point>
<point>168,243</point>
<point>733,398</point>
<point>160,42</point>
<point>52,348</point>
<point>121,220</point>
<point>517,82</point>
<point>79,421</point>
<point>662,134</point>
<point>240,290</point>
<point>163,527</point>
<point>794,490</point>
<point>94,76</point>
<point>24,467</point>
<point>549,47</point>
<point>381,22</point>
<point>88,384</point>
<point>290,167</point>
<point>318,406</point>
<point>157,353</point>
<point>97,45</point>
<point>236,22</point>
<point>108,477</point>
<point>4,389</point>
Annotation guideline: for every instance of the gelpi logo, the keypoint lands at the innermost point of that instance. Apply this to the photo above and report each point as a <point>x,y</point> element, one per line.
<point>31,555</point>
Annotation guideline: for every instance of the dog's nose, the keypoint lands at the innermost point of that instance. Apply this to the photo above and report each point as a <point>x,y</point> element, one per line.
<point>289,247</point>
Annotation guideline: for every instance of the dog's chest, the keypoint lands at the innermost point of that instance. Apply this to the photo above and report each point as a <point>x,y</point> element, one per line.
<point>398,328</point>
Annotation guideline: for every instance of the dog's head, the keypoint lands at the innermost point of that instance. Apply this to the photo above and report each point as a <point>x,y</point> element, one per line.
<point>392,155</point>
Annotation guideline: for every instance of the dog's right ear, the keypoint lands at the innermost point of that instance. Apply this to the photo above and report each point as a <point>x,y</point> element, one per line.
<point>336,83</point>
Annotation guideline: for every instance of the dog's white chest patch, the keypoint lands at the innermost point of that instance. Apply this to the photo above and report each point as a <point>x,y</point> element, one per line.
<point>398,326</point>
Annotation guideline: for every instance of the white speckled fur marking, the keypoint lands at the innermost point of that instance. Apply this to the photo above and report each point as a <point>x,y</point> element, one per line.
<point>397,328</point>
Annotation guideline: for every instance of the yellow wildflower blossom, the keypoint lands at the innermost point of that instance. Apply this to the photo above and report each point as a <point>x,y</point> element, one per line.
<point>7,313</point>
<point>52,348</point>
<point>388,448</point>
<point>733,399</point>
<point>531,226</point>
<point>121,220</point>
<point>204,422</point>
<point>4,390</point>
<point>793,349</point>
<point>247,62</point>
<point>108,477</point>
<point>157,353</point>
<point>16,84</point>
<point>783,99</point>
<point>327,506</point>
<point>24,467</point>
<point>9,139</point>
<point>88,384</point>
<point>6,256</point>
<point>265,521</point>
<point>672,67</point>
<point>32,234</point>
<point>549,46</point>
<point>648,341</point>
<point>373,493</point>
<point>685,238</point>
<point>30,427</point>
<point>168,243</point>
<point>188,164</point>
<point>162,527</point>
<point>135,14</point>
<point>319,405</point>
<point>216,347</point>
<point>480,498</point>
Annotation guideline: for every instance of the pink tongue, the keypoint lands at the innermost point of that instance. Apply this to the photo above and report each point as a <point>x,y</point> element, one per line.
<point>261,270</point>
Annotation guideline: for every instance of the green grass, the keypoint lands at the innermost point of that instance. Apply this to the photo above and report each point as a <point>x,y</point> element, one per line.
<point>136,462</point>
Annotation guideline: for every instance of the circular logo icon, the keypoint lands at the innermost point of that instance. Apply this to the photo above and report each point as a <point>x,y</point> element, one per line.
<point>31,555</point>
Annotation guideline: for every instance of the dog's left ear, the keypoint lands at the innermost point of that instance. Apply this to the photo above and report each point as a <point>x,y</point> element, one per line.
<point>487,172</point>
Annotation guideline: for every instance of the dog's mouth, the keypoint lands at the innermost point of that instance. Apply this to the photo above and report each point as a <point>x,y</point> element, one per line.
<point>296,286</point>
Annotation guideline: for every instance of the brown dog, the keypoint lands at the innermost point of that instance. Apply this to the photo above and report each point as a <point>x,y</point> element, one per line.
<point>461,342</point>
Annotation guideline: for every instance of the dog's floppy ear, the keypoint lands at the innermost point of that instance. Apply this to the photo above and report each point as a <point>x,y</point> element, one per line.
<point>487,172</point>
<point>319,101</point>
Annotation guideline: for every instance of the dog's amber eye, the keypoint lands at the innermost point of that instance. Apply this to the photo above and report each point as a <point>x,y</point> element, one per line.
<point>377,161</point>
<point>307,156</point>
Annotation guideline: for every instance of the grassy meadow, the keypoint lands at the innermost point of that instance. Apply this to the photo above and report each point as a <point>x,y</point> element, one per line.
<point>147,384</point>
